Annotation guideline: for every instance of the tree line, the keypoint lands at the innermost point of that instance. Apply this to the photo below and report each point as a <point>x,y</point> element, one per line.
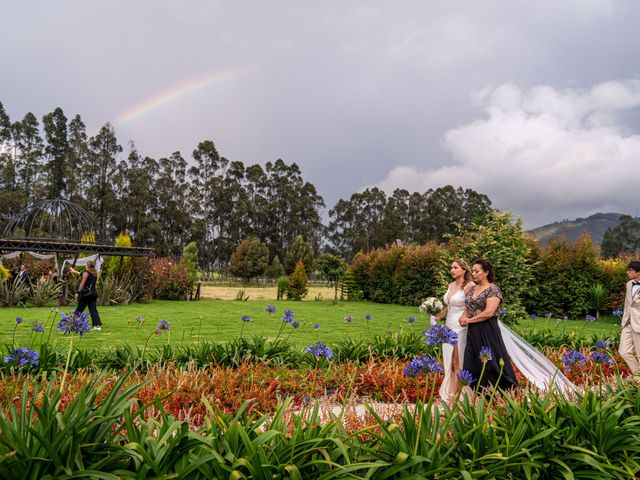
<point>214,201</point>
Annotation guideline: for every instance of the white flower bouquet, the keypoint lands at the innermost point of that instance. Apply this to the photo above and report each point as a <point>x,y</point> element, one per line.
<point>431,306</point>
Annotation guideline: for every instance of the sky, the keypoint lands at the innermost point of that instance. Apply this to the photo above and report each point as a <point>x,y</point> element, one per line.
<point>534,103</point>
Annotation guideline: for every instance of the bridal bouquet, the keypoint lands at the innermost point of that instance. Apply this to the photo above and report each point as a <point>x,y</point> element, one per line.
<point>431,306</point>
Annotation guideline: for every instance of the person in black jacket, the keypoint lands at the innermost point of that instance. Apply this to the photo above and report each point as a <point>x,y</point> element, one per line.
<point>88,294</point>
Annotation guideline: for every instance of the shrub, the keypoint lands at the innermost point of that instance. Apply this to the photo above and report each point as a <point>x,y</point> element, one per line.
<point>297,287</point>
<point>190,260</point>
<point>564,277</point>
<point>283,284</point>
<point>298,251</point>
<point>250,259</point>
<point>119,266</point>
<point>165,280</point>
<point>275,270</point>
<point>45,292</point>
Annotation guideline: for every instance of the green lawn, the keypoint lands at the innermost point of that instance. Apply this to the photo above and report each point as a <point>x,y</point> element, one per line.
<point>220,320</point>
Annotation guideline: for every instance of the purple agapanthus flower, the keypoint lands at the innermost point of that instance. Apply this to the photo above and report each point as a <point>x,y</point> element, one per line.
<point>23,357</point>
<point>572,358</point>
<point>411,320</point>
<point>245,318</point>
<point>533,316</point>
<point>547,315</point>
<point>421,364</point>
<point>465,378</point>
<point>368,317</point>
<point>140,319</point>
<point>37,327</point>
<point>439,334</point>
<point>319,350</point>
<point>602,345</point>
<point>288,316</point>
<point>19,320</point>
<point>503,311</point>
<point>617,312</point>
<point>270,309</point>
<point>349,318</point>
<point>295,324</point>
<point>601,358</point>
<point>316,326</point>
<point>486,355</point>
<point>163,325</point>
<point>76,323</point>
<point>590,318</point>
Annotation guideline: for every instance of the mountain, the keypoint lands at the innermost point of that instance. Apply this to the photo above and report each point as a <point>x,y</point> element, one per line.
<point>595,225</point>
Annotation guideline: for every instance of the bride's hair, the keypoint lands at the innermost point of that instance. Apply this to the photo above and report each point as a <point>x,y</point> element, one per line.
<point>465,266</point>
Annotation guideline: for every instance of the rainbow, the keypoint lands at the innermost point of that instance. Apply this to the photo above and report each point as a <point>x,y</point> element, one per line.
<point>177,92</point>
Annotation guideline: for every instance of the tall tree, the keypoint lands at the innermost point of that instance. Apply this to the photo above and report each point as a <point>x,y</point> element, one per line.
<point>78,161</point>
<point>57,152</point>
<point>104,151</point>
<point>29,150</point>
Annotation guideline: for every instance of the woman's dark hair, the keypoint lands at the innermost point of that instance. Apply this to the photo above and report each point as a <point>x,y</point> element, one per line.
<point>486,266</point>
<point>634,265</point>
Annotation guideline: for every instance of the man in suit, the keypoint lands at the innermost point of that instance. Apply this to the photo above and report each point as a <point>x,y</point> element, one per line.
<point>630,336</point>
<point>23,275</point>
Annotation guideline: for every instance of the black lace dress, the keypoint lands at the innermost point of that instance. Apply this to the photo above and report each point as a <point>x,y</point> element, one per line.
<point>486,334</point>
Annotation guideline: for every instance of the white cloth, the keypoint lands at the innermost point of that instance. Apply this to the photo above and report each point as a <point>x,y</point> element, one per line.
<point>81,262</point>
<point>455,308</point>
<point>39,256</point>
<point>535,367</point>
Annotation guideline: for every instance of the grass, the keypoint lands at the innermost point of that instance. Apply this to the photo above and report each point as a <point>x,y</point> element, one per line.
<point>220,320</point>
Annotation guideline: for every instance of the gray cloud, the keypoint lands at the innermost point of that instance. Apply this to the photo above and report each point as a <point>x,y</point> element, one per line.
<point>350,91</point>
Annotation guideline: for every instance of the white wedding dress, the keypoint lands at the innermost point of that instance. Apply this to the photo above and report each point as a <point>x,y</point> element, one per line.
<point>455,308</point>
<point>535,367</point>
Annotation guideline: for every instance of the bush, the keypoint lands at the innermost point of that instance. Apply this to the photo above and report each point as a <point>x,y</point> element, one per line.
<point>297,287</point>
<point>275,270</point>
<point>166,280</point>
<point>250,259</point>
<point>564,277</point>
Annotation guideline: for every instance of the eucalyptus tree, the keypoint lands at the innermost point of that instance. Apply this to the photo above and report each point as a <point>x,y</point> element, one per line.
<point>204,177</point>
<point>56,151</point>
<point>172,215</point>
<point>99,175</point>
<point>28,155</point>
<point>78,159</point>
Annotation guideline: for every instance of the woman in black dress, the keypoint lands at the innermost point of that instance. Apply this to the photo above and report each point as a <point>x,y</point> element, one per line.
<point>88,294</point>
<point>481,304</point>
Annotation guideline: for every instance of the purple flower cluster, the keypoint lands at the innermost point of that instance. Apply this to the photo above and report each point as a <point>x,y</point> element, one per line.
<point>245,318</point>
<point>140,319</point>
<point>319,350</point>
<point>76,323</point>
<point>590,318</point>
<point>316,326</point>
<point>368,317</point>
<point>547,315</point>
<point>425,364</point>
<point>617,313</point>
<point>503,311</point>
<point>288,316</point>
<point>601,358</point>
<point>19,320</point>
<point>163,325</point>
<point>22,357</point>
<point>349,318</point>
<point>572,358</point>
<point>465,378</point>
<point>411,320</point>
<point>270,309</point>
<point>439,334</point>
<point>37,327</point>
<point>486,355</point>
<point>602,345</point>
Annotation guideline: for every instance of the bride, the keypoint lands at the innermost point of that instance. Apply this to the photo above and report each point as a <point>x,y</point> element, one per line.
<point>534,366</point>
<point>454,301</point>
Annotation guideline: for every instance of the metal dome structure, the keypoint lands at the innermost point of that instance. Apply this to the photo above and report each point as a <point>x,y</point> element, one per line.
<point>56,220</point>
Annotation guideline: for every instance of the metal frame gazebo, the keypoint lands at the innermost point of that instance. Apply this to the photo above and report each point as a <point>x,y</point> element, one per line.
<point>62,227</point>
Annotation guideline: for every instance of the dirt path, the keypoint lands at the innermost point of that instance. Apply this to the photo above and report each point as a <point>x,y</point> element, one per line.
<point>260,293</point>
